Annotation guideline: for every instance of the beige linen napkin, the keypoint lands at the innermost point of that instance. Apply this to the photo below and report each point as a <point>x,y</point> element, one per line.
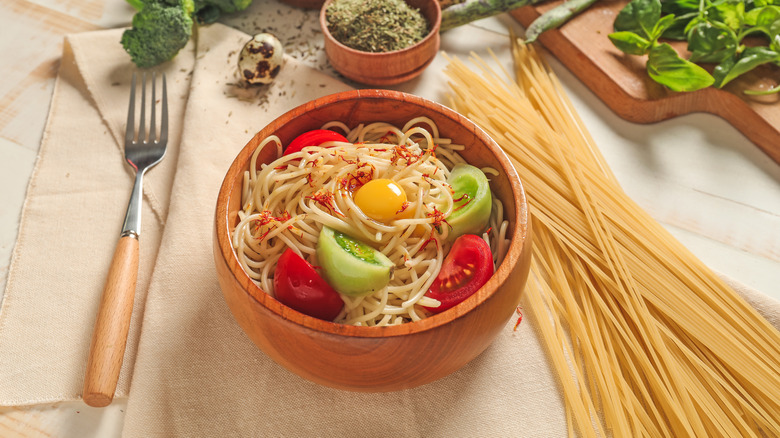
<point>71,221</point>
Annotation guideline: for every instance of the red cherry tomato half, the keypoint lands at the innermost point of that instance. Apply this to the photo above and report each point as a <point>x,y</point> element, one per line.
<point>298,285</point>
<point>466,268</point>
<point>313,138</point>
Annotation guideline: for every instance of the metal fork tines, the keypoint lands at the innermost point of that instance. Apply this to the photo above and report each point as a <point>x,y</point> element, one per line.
<point>143,152</point>
<point>109,337</point>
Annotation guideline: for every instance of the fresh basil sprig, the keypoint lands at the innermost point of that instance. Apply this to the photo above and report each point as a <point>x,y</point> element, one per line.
<point>714,30</point>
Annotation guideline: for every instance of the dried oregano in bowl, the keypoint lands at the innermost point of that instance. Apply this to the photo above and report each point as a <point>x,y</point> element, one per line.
<point>375,25</point>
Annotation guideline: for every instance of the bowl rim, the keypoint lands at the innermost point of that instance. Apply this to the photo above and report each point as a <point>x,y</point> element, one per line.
<point>520,231</point>
<point>433,32</point>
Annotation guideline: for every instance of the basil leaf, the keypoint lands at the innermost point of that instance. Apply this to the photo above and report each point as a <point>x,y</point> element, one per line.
<point>711,42</point>
<point>731,13</point>
<point>639,16</point>
<point>661,25</point>
<point>666,67</point>
<point>629,42</point>
<point>679,7</point>
<point>722,70</point>
<point>698,19</point>
<point>774,36</point>
<point>760,3</point>
<point>763,17</point>
<point>751,58</point>
<point>677,31</point>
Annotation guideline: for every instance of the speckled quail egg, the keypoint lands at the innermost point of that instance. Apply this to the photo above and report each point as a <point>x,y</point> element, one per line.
<point>261,59</point>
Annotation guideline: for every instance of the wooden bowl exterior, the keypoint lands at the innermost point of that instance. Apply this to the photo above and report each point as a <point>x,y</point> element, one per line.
<point>376,358</point>
<point>387,68</point>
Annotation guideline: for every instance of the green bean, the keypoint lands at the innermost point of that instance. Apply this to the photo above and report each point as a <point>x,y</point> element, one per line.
<point>555,17</point>
<point>472,10</point>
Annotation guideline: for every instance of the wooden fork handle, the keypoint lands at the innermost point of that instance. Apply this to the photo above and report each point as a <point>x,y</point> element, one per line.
<point>109,337</point>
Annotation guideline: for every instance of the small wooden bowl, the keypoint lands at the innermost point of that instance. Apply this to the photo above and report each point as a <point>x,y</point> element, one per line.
<point>375,358</point>
<point>385,68</point>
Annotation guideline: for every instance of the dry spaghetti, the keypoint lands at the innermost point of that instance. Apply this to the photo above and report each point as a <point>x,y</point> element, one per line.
<point>645,339</point>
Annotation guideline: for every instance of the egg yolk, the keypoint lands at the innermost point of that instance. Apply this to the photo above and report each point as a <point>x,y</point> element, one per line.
<point>381,200</point>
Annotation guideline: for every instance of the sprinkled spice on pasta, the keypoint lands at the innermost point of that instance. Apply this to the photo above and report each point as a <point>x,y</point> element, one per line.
<point>314,191</point>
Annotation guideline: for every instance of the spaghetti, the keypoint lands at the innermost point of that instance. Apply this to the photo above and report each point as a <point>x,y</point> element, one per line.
<point>287,202</point>
<point>645,339</point>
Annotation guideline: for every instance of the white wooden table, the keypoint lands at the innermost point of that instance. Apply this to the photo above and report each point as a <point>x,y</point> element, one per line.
<point>712,188</point>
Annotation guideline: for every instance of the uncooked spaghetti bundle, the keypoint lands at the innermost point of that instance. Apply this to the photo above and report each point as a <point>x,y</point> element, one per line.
<point>645,339</point>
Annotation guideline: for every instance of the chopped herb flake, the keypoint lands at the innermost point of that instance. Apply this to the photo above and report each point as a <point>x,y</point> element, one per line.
<point>375,25</point>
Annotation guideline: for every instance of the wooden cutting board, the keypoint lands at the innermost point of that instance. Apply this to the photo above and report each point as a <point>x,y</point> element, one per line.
<point>621,81</point>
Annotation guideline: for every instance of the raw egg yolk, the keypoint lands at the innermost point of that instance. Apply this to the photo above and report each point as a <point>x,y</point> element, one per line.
<point>381,200</point>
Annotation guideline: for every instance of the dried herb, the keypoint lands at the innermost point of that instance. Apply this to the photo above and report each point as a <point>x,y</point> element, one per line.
<point>375,25</point>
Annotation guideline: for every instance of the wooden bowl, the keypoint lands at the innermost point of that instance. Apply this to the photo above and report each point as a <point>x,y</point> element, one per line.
<point>375,358</point>
<point>385,68</point>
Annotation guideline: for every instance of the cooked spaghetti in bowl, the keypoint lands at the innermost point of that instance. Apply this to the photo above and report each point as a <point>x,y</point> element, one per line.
<point>387,187</point>
<point>323,185</point>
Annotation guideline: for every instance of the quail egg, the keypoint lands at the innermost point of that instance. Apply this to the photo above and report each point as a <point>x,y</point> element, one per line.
<point>261,59</point>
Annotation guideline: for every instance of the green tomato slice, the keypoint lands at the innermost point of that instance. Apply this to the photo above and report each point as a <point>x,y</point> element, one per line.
<point>473,201</point>
<point>350,266</point>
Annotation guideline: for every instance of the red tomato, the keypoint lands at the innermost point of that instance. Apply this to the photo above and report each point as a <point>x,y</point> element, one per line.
<point>298,285</point>
<point>312,138</point>
<point>466,268</point>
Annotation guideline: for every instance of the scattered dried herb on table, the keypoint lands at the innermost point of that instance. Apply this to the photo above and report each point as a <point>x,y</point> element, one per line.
<point>375,25</point>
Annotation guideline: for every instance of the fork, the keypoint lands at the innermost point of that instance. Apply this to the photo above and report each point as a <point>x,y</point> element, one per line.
<point>109,336</point>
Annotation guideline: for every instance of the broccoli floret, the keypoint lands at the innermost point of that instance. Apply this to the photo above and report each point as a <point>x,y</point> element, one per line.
<point>188,5</point>
<point>208,11</point>
<point>162,27</point>
<point>159,31</point>
<point>225,6</point>
<point>207,14</point>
